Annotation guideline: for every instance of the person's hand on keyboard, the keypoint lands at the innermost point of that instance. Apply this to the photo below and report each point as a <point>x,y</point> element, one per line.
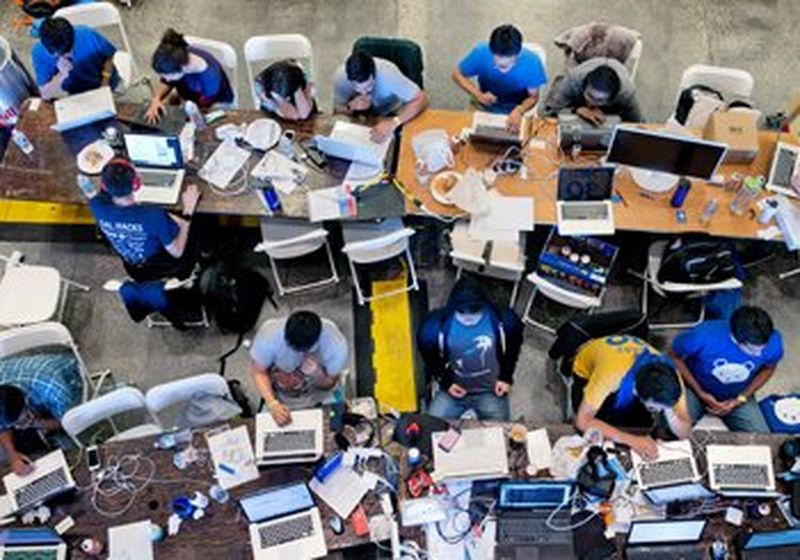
<point>189,199</point>
<point>645,447</point>
<point>21,465</point>
<point>593,116</point>
<point>280,413</point>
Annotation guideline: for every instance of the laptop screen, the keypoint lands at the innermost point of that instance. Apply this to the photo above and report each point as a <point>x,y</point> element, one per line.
<point>151,150</point>
<point>533,495</point>
<point>277,502</point>
<point>29,537</point>
<point>678,493</point>
<point>585,183</point>
<point>772,539</point>
<point>665,532</point>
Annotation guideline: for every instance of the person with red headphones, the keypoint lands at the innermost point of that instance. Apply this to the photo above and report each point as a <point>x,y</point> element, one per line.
<point>153,243</point>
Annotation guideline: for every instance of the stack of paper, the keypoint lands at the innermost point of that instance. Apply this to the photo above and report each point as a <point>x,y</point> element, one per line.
<point>232,453</point>
<point>224,164</point>
<point>282,171</point>
<point>505,217</point>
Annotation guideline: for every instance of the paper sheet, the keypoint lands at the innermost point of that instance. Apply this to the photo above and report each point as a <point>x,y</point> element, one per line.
<point>540,453</point>
<point>360,135</point>
<point>130,542</point>
<point>469,193</point>
<point>342,491</point>
<point>323,204</point>
<point>223,165</point>
<point>232,453</point>
<point>505,218</point>
<point>284,173</point>
<point>360,173</point>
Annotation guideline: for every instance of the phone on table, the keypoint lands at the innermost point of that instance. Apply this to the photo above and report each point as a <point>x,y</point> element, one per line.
<point>93,458</point>
<point>449,439</point>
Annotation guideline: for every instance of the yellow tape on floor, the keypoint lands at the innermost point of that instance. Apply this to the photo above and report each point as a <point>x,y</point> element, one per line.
<point>24,212</point>
<point>393,352</point>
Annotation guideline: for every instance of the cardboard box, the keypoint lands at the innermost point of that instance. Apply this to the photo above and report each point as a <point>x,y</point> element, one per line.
<point>738,130</point>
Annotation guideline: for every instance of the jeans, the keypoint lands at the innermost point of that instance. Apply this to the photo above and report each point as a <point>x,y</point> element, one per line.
<point>744,418</point>
<point>487,406</point>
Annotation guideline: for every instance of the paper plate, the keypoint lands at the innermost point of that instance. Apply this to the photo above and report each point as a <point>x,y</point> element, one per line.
<point>93,157</point>
<point>438,195</point>
<point>263,134</point>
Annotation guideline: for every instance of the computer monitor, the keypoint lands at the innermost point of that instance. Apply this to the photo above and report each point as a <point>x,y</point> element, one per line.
<point>658,159</point>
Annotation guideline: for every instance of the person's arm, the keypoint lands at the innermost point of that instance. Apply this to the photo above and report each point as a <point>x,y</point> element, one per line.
<point>565,94</point>
<point>586,420</point>
<point>516,115</point>
<point>678,419</point>
<point>342,92</point>
<point>279,411</point>
<point>20,464</point>
<point>630,110</point>
<point>54,87</point>
<point>386,127</point>
<point>689,379</point>
<point>107,72</point>
<point>428,347</point>
<point>758,381</point>
<point>189,199</point>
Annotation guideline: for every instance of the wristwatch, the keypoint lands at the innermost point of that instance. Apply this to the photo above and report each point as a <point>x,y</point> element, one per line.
<point>397,122</point>
<point>741,398</point>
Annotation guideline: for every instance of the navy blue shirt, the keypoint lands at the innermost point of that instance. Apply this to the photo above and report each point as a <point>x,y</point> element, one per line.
<point>207,87</point>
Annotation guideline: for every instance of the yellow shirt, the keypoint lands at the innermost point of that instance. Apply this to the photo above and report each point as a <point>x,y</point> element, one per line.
<point>604,362</point>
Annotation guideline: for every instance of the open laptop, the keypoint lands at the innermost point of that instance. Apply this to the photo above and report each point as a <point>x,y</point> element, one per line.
<point>666,540</point>
<point>672,476</point>
<point>523,509</point>
<point>741,470</point>
<point>299,442</point>
<point>159,161</point>
<point>284,523</point>
<point>171,122</point>
<point>584,201</point>
<point>41,543</point>
<point>478,453</point>
<point>50,477</point>
<point>785,164</point>
<point>352,142</point>
<point>84,108</point>
<point>491,129</point>
<point>769,545</point>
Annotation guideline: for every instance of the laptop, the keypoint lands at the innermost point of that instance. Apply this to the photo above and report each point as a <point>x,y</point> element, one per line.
<point>41,543</point>
<point>50,477</point>
<point>741,470</point>
<point>171,122</point>
<point>584,201</point>
<point>133,540</point>
<point>159,161</point>
<point>491,129</point>
<point>284,523</point>
<point>572,130</point>
<point>785,164</point>
<point>671,477</point>
<point>479,453</point>
<point>523,509</point>
<point>84,108</point>
<point>769,545</point>
<point>666,540</point>
<point>299,442</point>
<point>352,142</point>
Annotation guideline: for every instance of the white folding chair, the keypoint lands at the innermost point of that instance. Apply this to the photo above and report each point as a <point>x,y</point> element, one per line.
<point>226,55</point>
<point>632,64</point>
<point>167,395</point>
<point>126,400</point>
<point>102,14</point>
<point>370,243</point>
<point>538,50</point>
<point>732,83</point>
<point>286,239</point>
<point>32,294</point>
<point>266,49</point>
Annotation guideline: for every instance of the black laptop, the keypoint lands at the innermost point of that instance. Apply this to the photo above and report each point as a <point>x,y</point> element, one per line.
<point>769,545</point>
<point>666,540</point>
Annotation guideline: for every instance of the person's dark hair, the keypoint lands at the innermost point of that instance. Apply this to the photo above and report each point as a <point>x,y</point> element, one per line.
<point>284,78</point>
<point>303,329</point>
<point>172,53</point>
<point>505,40</point>
<point>118,178</point>
<point>58,35</point>
<point>751,325</point>
<point>12,403</point>
<point>603,78</point>
<point>658,382</point>
<point>468,296</point>
<point>360,67</point>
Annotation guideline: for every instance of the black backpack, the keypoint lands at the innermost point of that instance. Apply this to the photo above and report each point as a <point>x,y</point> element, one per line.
<point>687,98</point>
<point>697,262</point>
<point>233,296</point>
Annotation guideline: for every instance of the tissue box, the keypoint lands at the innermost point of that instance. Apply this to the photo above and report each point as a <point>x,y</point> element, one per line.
<point>738,130</point>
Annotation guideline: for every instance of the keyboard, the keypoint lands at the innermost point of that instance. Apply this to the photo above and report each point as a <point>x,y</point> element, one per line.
<point>486,132</point>
<point>157,178</point>
<point>40,489</point>
<point>746,476</point>
<point>532,529</point>
<point>784,168</point>
<point>585,211</point>
<point>290,440</point>
<point>666,472</point>
<point>282,532</point>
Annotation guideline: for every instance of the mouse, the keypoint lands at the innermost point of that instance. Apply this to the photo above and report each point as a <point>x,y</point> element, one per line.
<point>336,524</point>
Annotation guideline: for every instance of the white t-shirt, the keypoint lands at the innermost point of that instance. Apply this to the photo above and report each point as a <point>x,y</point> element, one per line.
<point>392,87</point>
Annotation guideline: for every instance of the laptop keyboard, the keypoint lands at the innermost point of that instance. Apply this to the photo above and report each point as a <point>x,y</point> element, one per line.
<point>532,529</point>
<point>742,475</point>
<point>664,472</point>
<point>290,440</point>
<point>282,532</point>
<point>157,178</point>
<point>584,211</point>
<point>496,133</point>
<point>39,489</point>
<point>784,168</point>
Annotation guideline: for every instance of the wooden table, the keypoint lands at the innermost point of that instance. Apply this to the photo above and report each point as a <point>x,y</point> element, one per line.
<point>636,213</point>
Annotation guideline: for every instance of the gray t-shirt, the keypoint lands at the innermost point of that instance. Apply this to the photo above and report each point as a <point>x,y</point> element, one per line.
<point>271,352</point>
<point>392,88</point>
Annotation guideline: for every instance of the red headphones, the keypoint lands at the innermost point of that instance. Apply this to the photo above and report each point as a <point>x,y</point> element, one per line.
<point>137,181</point>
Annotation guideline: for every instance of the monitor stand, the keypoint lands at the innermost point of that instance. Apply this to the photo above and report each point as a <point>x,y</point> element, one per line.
<point>654,181</point>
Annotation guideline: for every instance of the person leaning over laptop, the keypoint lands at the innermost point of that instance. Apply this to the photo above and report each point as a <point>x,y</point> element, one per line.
<point>724,363</point>
<point>296,363</point>
<point>621,381</point>
<point>508,75</point>
<point>36,390</point>
<point>72,59</point>
<point>364,84</point>
<point>284,91</point>
<point>194,74</point>
<point>152,243</point>
<point>594,89</point>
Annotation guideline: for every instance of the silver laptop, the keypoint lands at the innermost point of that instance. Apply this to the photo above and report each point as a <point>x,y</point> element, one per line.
<point>584,201</point>
<point>84,108</point>
<point>159,161</point>
<point>785,164</point>
<point>478,453</point>
<point>284,523</point>
<point>741,470</point>
<point>352,142</point>
<point>672,477</point>
<point>654,540</point>
<point>492,128</point>
<point>41,543</point>
<point>299,442</point>
<point>50,477</point>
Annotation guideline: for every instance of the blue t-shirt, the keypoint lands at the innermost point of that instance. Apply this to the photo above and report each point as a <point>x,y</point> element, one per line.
<point>89,54</point>
<point>472,353</point>
<point>207,87</point>
<point>510,88</point>
<point>137,233</point>
<point>717,363</point>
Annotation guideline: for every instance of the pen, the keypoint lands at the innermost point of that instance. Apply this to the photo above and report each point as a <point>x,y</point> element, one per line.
<point>227,469</point>
<point>621,198</point>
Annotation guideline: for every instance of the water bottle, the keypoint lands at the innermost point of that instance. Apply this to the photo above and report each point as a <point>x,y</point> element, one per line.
<point>86,186</point>
<point>709,211</point>
<point>22,142</point>
<point>194,114</point>
<point>680,193</point>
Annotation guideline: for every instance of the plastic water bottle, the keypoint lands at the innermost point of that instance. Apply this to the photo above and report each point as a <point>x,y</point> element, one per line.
<point>709,211</point>
<point>194,114</point>
<point>86,186</point>
<point>22,142</point>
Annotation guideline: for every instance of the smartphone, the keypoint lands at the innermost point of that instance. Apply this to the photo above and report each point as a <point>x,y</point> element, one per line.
<point>449,440</point>
<point>93,458</point>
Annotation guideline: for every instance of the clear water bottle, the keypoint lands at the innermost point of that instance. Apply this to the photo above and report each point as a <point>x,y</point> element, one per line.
<point>194,114</point>
<point>709,211</point>
<point>86,186</point>
<point>22,142</point>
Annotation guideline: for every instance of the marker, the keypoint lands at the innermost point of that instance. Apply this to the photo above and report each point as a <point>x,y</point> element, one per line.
<point>227,469</point>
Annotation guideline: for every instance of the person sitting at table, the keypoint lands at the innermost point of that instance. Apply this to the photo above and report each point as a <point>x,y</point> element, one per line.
<point>36,390</point>
<point>152,243</point>
<point>72,59</point>
<point>594,89</point>
<point>190,71</point>
<point>364,84</point>
<point>508,75</point>
<point>284,91</point>
<point>296,363</point>
<point>471,348</point>
<point>621,381</point>
<point>723,363</point>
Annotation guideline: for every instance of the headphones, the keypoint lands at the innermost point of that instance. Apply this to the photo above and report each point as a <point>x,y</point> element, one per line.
<point>137,180</point>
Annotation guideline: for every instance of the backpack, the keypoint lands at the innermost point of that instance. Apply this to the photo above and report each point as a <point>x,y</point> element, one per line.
<point>697,262</point>
<point>687,98</point>
<point>233,296</point>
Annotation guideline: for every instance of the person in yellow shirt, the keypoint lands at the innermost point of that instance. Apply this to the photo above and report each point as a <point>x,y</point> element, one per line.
<point>621,381</point>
